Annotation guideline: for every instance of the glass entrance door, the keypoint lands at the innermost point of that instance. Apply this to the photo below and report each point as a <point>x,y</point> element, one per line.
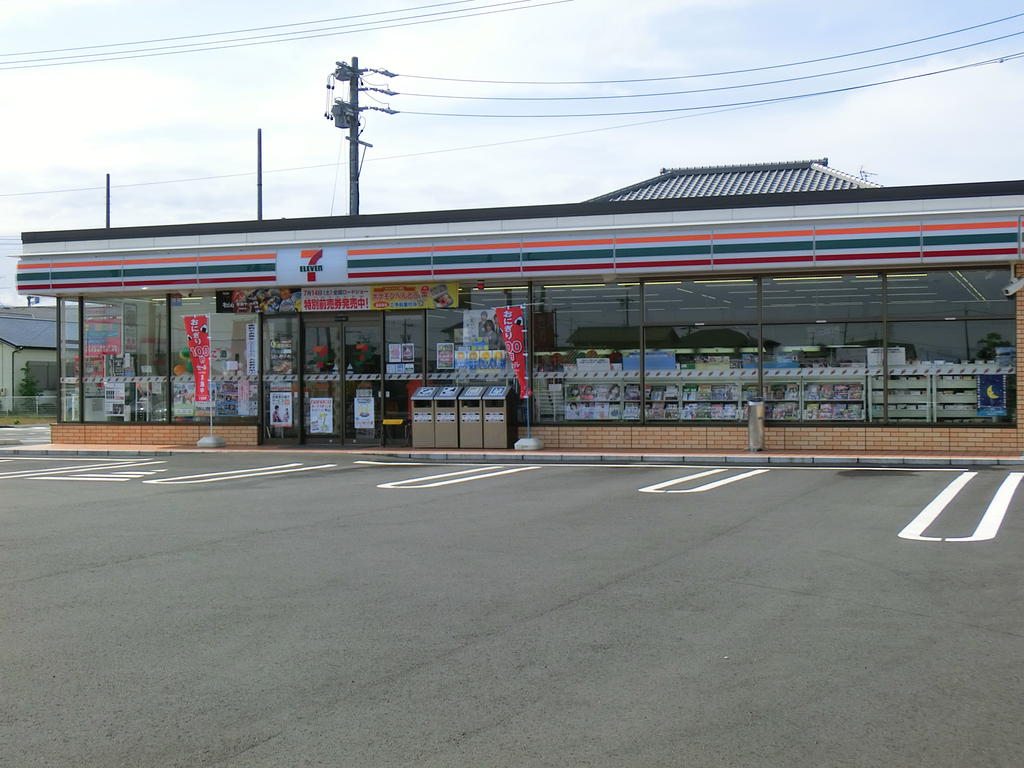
<point>322,381</point>
<point>361,338</point>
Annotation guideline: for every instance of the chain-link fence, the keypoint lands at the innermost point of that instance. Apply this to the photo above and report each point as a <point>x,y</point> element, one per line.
<point>44,405</point>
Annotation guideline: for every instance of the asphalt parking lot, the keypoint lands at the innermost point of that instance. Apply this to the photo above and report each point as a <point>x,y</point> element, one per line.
<point>306,609</point>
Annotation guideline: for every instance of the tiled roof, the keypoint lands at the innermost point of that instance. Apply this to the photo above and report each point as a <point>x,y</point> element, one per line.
<point>757,178</point>
<point>28,332</point>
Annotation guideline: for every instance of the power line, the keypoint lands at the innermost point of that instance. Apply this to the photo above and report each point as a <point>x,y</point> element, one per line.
<point>717,88</point>
<point>694,113</point>
<point>236,31</point>
<point>723,72</point>
<point>996,60</point>
<point>163,51</point>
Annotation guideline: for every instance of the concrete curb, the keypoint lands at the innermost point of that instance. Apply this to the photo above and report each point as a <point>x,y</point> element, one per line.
<point>553,457</point>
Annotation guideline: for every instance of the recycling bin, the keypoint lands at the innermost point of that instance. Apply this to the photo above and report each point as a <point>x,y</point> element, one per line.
<point>423,417</point>
<point>499,417</point>
<point>446,417</point>
<point>471,417</point>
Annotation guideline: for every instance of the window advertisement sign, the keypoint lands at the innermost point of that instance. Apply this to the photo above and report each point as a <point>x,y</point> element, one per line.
<point>321,415</point>
<point>113,398</point>
<point>197,333</point>
<point>266,300</point>
<point>421,296</point>
<point>354,298</point>
<point>363,410</point>
<point>445,355</point>
<point>280,409</point>
<point>251,361</point>
<point>102,331</point>
<point>991,395</point>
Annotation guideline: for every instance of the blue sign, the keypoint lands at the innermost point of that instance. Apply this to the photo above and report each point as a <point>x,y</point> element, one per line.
<point>991,395</point>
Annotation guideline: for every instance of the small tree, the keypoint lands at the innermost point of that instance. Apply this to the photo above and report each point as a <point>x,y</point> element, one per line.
<point>28,387</point>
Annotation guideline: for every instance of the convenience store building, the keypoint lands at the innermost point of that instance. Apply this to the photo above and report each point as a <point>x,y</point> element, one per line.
<point>869,318</point>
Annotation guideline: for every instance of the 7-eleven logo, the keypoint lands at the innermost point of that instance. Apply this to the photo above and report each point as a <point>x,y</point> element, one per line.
<point>312,265</point>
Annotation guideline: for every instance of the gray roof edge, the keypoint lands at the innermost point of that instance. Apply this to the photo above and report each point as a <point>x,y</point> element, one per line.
<point>745,167</point>
<point>845,176</point>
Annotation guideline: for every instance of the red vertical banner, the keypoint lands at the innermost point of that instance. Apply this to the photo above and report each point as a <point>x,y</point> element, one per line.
<point>197,333</point>
<point>512,325</point>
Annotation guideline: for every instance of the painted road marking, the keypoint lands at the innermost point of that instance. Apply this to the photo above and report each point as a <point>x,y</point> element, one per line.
<point>32,474</point>
<point>662,487</point>
<point>237,474</point>
<point>101,476</point>
<point>451,478</point>
<point>987,527</point>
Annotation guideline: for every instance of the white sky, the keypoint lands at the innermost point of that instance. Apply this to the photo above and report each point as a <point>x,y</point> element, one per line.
<point>164,118</point>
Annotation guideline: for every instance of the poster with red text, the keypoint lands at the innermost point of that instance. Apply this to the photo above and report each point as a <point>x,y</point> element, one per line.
<point>512,326</point>
<point>197,333</point>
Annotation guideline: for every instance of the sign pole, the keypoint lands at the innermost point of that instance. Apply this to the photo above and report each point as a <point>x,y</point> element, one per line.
<point>528,443</point>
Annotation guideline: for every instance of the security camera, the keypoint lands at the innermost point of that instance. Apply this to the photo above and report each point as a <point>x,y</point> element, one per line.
<point>1013,287</point>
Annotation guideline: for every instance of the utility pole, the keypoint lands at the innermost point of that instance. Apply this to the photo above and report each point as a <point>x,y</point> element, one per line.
<point>346,115</point>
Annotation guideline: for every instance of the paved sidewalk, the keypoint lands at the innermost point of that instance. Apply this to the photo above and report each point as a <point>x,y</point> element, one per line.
<point>796,458</point>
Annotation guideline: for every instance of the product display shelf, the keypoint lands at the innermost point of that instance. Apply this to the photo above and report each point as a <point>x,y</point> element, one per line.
<point>910,396</point>
<point>782,400</point>
<point>696,395</point>
<point>598,396</point>
<point>834,400</point>
<point>955,397</point>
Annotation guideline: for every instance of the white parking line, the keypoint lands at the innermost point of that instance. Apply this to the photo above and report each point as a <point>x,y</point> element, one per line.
<point>237,474</point>
<point>987,527</point>
<point>927,516</point>
<point>659,487</point>
<point>462,476</point>
<point>989,524</point>
<point>65,470</point>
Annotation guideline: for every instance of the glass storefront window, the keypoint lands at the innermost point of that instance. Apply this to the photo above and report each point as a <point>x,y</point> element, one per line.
<point>697,372</point>
<point>951,372</point>
<point>585,338</point>
<point>125,360</point>
<point>70,360</point>
<point>718,301</point>
<point>464,345</point>
<point>819,372</point>
<point>799,299</point>
<point>234,383</point>
<point>938,294</point>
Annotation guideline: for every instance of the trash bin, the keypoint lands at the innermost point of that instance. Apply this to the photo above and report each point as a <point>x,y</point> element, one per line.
<point>499,418</point>
<point>446,417</point>
<point>471,418</point>
<point>423,417</point>
<point>755,425</point>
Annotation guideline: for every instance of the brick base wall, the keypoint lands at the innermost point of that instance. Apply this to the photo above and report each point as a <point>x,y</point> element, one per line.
<point>856,439</point>
<point>150,434</point>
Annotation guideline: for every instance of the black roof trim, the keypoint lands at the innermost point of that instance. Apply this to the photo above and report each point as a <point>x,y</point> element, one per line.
<point>603,208</point>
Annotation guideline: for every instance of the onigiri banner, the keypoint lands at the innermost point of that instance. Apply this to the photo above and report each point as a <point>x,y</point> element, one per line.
<point>197,332</point>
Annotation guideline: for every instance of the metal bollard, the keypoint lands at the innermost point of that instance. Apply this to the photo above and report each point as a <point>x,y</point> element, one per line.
<point>755,425</point>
